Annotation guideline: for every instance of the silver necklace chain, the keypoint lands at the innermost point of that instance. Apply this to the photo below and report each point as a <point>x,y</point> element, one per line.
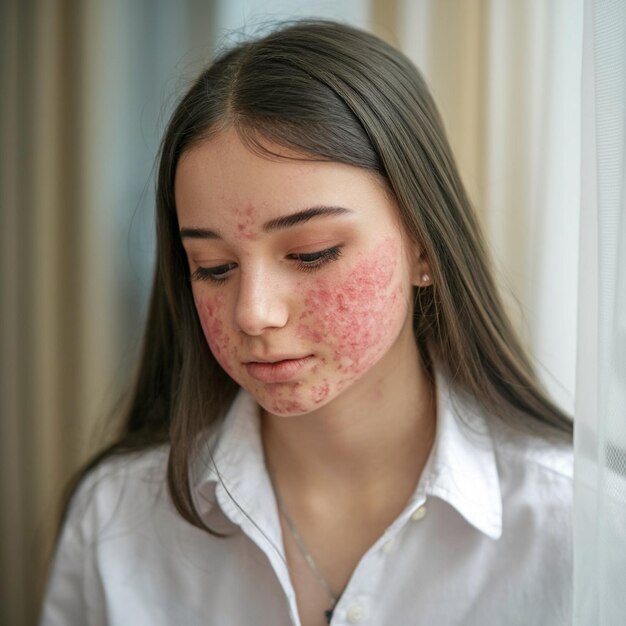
<point>305,553</point>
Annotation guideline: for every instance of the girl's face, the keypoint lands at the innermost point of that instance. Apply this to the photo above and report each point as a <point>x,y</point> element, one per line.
<point>300,271</point>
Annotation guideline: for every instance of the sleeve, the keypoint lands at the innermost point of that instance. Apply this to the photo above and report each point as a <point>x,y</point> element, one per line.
<point>74,594</point>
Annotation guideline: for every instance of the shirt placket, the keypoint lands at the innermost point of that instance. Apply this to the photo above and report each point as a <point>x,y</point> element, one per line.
<point>357,604</point>
<point>264,538</point>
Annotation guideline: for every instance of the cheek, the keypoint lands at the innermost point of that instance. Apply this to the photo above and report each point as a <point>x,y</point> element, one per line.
<point>359,315</point>
<point>210,312</point>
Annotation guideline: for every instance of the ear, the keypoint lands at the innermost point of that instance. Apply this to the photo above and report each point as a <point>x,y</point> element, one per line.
<point>421,274</point>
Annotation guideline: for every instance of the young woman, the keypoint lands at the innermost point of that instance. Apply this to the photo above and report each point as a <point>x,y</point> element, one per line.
<point>333,421</point>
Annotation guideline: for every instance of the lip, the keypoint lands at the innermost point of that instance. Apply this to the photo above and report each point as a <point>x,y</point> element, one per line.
<point>277,371</point>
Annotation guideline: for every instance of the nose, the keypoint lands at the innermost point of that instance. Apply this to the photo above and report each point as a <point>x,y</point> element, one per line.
<point>261,303</point>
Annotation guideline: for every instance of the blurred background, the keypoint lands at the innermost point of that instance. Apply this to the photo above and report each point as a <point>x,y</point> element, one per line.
<point>87,87</point>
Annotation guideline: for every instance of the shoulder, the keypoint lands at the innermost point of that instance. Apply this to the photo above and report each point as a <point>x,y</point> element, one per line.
<point>143,467</point>
<point>538,450</point>
<point>121,486</point>
<point>535,472</point>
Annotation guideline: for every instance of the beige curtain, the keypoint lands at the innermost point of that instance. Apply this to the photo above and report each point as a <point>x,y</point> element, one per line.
<point>66,326</point>
<point>42,318</point>
<point>65,350</point>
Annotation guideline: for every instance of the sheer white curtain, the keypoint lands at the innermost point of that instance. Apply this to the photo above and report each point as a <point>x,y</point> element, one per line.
<point>507,76</point>
<point>600,432</point>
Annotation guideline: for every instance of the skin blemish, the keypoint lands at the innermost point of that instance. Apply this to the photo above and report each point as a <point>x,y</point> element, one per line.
<point>347,317</point>
<point>288,406</point>
<point>319,392</point>
<point>209,312</point>
<point>246,223</point>
<point>354,314</point>
<point>279,403</point>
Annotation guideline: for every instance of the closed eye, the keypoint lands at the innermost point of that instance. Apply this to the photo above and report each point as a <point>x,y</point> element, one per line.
<point>217,274</point>
<point>313,260</point>
<point>307,261</point>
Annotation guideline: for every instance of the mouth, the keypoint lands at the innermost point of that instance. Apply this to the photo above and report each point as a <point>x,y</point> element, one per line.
<point>280,370</point>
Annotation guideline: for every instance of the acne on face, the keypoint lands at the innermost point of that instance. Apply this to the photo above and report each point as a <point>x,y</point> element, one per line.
<point>355,312</point>
<point>320,392</point>
<point>210,313</point>
<point>349,313</point>
<point>246,219</point>
<point>348,318</point>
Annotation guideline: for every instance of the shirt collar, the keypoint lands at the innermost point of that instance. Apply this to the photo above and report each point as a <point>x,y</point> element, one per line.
<point>229,469</point>
<point>461,469</point>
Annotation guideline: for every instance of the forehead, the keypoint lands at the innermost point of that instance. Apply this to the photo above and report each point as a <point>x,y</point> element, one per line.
<point>222,178</point>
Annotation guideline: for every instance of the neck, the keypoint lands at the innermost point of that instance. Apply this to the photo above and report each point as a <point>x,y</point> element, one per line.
<point>371,441</point>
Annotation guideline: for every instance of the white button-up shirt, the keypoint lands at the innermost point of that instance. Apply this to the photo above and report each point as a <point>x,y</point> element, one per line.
<point>485,540</point>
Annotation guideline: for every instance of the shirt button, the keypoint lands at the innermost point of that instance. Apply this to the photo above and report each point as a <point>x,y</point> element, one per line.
<point>388,545</point>
<point>419,514</point>
<point>355,614</point>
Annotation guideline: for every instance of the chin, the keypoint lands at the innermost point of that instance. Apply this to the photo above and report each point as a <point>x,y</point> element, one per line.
<point>292,399</point>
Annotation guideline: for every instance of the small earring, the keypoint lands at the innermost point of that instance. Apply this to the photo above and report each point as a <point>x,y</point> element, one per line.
<point>425,278</point>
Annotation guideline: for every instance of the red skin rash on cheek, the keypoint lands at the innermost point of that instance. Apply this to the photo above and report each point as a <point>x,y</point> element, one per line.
<point>219,342</point>
<point>353,315</point>
<point>210,311</point>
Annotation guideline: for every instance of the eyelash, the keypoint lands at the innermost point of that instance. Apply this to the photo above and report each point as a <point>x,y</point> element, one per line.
<point>310,261</point>
<point>306,261</point>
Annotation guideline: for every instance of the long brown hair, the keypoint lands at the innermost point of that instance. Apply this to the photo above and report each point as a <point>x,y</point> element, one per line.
<point>335,93</point>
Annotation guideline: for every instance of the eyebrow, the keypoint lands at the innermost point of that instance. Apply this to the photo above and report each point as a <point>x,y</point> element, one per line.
<point>278,223</point>
<point>303,216</point>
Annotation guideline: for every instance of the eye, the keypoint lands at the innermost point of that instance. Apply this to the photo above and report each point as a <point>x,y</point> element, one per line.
<point>313,260</point>
<point>217,274</point>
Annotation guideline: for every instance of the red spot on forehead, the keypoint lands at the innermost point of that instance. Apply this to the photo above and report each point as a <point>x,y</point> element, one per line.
<point>247,222</point>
